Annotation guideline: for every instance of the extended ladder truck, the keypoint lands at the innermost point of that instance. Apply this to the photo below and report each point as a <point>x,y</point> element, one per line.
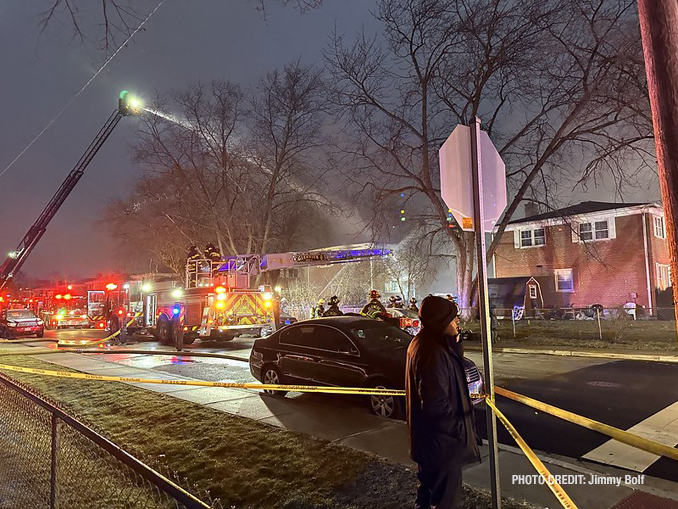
<point>127,105</point>
<point>217,301</point>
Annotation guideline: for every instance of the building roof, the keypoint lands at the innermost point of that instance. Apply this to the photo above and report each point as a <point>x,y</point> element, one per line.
<point>585,207</point>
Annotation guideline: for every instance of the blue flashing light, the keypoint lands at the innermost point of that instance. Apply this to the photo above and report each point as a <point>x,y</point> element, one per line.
<point>176,310</point>
<point>402,195</point>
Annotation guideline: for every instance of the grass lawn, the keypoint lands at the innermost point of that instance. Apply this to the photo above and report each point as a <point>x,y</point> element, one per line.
<point>640,335</point>
<point>243,463</point>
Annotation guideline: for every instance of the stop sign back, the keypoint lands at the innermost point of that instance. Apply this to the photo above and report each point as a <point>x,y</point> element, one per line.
<point>456,181</point>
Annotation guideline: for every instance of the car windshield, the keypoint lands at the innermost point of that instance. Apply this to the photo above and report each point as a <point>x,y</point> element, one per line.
<point>379,335</point>
<point>20,314</point>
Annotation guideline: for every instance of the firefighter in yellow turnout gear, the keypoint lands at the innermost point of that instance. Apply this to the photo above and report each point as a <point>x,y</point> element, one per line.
<point>374,307</point>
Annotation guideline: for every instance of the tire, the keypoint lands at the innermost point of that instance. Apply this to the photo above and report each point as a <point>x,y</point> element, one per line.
<point>390,407</point>
<point>189,338</point>
<point>40,334</point>
<point>270,375</point>
<point>164,329</point>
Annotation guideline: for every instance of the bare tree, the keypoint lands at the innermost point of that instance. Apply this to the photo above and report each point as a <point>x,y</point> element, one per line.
<point>245,178</point>
<point>287,112</point>
<point>558,84</point>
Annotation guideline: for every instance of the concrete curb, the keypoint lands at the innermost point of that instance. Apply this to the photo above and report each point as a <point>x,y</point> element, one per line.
<point>673,358</point>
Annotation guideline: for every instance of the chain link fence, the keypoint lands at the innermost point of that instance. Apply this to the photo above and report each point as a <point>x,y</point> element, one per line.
<point>48,459</point>
<point>630,324</point>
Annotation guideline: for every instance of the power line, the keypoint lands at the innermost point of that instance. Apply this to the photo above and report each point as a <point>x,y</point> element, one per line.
<point>56,117</point>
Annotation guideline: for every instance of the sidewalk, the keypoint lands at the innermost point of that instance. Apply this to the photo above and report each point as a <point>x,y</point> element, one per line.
<point>567,351</point>
<point>387,438</point>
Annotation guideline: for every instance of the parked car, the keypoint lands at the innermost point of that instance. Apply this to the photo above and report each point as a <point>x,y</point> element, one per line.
<point>20,322</point>
<point>346,351</point>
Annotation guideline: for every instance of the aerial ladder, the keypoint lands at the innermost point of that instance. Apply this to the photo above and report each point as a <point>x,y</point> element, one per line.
<point>127,105</point>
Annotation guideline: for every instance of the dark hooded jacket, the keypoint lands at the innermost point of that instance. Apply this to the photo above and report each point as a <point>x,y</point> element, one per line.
<point>439,411</point>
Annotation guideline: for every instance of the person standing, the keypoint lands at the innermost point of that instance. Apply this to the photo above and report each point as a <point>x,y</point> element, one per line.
<point>440,422</point>
<point>374,307</point>
<point>333,309</point>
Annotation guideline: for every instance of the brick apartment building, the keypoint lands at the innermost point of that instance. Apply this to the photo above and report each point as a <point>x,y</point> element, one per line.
<point>590,253</point>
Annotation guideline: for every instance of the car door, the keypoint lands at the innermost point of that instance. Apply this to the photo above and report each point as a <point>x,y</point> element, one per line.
<point>296,358</point>
<point>338,359</point>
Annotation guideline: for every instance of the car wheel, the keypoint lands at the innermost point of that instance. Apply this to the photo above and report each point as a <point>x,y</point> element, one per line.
<point>272,377</point>
<point>40,334</point>
<point>386,406</point>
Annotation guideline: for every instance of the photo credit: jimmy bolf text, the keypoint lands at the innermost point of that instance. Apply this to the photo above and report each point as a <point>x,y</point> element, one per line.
<point>563,479</point>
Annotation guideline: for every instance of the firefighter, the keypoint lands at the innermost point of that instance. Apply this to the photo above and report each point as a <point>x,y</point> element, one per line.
<point>333,310</point>
<point>374,307</point>
<point>392,301</point>
<point>413,305</point>
<point>212,253</point>
<point>193,253</point>
<point>398,302</point>
<point>319,310</point>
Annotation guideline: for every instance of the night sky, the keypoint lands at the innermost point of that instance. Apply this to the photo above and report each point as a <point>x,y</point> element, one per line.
<point>182,43</point>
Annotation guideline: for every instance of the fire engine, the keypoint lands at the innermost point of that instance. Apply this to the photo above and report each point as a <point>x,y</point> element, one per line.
<point>217,300</point>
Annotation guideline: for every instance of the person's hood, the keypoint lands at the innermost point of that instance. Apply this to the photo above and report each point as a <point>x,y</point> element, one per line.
<point>436,313</point>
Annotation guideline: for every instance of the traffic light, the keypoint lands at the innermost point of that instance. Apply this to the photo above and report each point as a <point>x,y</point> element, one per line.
<point>129,105</point>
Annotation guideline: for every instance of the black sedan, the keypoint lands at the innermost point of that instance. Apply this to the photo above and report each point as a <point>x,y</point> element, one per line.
<point>20,322</point>
<point>343,351</point>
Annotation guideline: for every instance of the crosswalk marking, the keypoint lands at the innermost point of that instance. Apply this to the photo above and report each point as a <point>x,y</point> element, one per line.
<point>661,427</point>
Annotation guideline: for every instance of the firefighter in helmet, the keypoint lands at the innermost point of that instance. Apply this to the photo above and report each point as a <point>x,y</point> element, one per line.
<point>413,305</point>
<point>212,253</point>
<point>192,258</point>
<point>391,301</point>
<point>319,310</point>
<point>333,310</point>
<point>398,302</point>
<point>193,253</point>
<point>374,307</point>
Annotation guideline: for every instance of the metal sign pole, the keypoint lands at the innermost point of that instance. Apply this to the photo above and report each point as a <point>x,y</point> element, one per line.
<point>479,224</point>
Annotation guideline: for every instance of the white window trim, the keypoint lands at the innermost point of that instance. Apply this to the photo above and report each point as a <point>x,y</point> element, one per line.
<point>611,230</point>
<point>659,267</point>
<point>532,288</point>
<point>518,243</point>
<point>662,224</point>
<point>555,275</point>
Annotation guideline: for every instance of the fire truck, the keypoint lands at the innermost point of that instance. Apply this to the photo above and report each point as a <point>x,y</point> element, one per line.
<point>217,300</point>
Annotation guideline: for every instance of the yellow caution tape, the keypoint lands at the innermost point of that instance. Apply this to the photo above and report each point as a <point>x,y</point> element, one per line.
<point>549,479</point>
<point>202,383</point>
<point>615,433</point>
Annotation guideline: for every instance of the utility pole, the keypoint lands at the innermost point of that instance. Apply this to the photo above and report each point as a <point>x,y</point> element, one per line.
<point>659,30</point>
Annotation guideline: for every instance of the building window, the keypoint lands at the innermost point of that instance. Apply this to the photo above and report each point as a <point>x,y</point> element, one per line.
<point>601,230</point>
<point>598,230</point>
<point>536,237</point>
<point>392,287</point>
<point>533,292</point>
<point>585,232</point>
<point>663,276</point>
<point>659,230</point>
<point>564,280</point>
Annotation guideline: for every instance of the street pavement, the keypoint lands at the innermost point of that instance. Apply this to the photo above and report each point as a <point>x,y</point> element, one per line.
<point>640,396</point>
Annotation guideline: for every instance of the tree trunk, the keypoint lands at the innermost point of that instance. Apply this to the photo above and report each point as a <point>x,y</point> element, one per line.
<point>465,264</point>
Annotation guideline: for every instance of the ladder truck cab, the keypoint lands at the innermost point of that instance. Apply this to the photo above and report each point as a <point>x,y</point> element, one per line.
<point>216,302</point>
